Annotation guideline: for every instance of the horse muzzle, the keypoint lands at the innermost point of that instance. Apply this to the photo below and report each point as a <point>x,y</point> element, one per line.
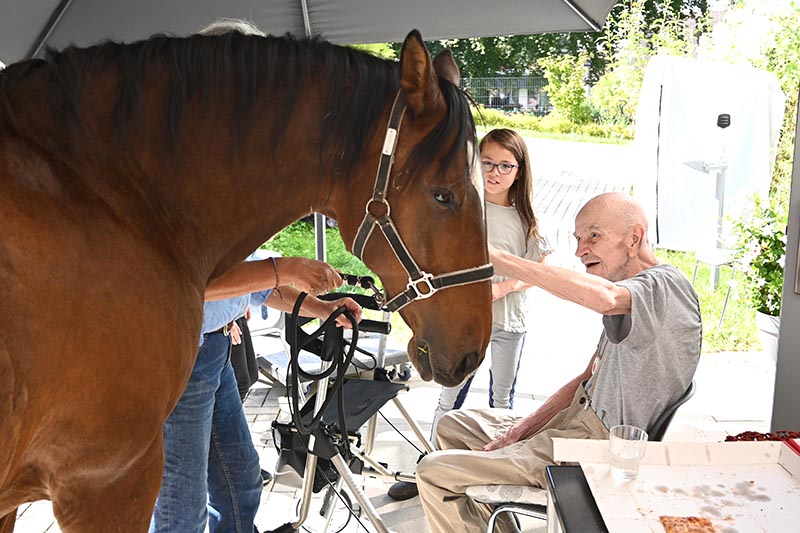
<point>425,363</point>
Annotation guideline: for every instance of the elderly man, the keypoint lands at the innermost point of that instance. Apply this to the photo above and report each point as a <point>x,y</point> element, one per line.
<point>645,360</point>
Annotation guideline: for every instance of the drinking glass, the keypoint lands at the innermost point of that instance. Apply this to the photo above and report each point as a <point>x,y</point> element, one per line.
<point>627,445</point>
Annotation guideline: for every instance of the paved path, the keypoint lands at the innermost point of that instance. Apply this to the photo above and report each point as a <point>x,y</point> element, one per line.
<point>734,389</point>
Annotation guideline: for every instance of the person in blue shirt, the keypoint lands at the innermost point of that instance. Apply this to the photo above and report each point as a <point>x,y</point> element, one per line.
<point>212,475</point>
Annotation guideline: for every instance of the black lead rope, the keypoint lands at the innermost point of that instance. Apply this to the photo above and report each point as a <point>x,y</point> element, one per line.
<point>330,349</point>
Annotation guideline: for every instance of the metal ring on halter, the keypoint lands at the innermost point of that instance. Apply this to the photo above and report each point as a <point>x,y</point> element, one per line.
<point>383,202</point>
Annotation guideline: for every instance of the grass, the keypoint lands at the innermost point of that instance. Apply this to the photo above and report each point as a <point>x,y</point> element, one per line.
<point>738,331</point>
<point>573,137</point>
<point>297,240</point>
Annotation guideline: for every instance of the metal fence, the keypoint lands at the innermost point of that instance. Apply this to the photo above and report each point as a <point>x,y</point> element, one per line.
<point>524,95</point>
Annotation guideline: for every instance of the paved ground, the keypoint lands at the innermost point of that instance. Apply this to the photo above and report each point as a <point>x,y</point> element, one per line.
<point>734,390</point>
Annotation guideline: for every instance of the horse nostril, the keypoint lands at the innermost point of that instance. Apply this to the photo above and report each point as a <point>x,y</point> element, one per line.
<point>469,363</point>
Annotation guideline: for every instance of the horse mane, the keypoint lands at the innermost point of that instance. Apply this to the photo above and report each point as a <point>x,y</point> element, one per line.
<point>357,87</point>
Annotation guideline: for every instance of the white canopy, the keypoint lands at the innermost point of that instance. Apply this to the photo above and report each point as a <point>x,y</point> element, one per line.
<point>27,26</point>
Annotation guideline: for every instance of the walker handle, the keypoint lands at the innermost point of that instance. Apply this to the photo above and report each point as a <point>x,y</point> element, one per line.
<point>374,326</point>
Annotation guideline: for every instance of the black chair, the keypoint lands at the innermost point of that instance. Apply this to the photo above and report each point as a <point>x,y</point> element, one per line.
<point>532,501</point>
<point>659,428</point>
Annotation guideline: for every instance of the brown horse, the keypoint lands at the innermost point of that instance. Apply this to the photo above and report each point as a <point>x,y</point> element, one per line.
<point>132,175</point>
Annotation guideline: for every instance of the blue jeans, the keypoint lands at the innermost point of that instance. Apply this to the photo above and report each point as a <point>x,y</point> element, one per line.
<point>211,468</point>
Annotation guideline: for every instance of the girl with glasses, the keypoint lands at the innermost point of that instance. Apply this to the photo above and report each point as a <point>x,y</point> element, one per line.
<point>512,226</point>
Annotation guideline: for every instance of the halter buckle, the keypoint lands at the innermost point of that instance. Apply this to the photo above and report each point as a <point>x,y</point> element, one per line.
<point>426,280</point>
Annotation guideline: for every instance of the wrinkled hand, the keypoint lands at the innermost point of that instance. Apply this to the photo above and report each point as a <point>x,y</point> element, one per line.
<point>308,275</point>
<point>497,291</point>
<point>506,439</point>
<point>235,333</point>
<point>351,306</point>
<point>497,258</point>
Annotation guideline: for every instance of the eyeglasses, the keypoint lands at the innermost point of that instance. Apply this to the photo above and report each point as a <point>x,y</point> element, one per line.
<point>502,168</point>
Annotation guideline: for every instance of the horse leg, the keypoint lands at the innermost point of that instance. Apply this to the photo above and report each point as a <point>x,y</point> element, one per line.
<point>7,522</point>
<point>120,501</point>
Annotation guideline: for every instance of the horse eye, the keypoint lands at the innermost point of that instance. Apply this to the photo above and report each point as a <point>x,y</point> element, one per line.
<point>443,197</point>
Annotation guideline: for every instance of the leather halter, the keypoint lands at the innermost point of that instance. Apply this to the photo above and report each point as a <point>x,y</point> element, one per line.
<point>421,284</point>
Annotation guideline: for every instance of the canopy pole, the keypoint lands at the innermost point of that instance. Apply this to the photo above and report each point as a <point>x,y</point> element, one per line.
<point>319,237</point>
<point>306,18</point>
<point>48,29</point>
<point>582,14</point>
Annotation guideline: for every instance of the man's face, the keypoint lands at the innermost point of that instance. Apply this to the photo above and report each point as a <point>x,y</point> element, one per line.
<point>601,244</point>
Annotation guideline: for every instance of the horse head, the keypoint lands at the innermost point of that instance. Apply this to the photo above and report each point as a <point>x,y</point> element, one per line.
<point>427,202</point>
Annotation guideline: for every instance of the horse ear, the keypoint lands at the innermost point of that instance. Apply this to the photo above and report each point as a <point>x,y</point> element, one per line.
<point>418,78</point>
<point>445,66</point>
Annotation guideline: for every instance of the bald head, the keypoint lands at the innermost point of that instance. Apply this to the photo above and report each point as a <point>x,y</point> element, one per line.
<point>611,230</point>
<point>622,210</point>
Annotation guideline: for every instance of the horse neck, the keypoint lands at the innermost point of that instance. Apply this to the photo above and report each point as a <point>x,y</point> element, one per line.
<point>206,199</point>
<point>226,194</point>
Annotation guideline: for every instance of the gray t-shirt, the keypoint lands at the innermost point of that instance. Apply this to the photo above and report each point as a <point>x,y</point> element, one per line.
<point>647,358</point>
<point>505,231</point>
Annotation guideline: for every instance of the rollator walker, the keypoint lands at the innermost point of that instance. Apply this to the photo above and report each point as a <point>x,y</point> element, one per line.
<point>322,442</point>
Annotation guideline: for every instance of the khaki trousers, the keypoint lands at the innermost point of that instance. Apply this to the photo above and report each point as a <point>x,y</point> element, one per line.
<point>443,476</point>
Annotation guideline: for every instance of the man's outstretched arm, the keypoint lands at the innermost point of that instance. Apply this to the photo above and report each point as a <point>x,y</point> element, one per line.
<point>590,291</point>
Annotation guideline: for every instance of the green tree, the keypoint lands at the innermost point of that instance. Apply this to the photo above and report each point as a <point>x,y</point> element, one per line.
<point>783,59</point>
<point>384,50</point>
<point>518,55</point>
<point>633,35</point>
<point>565,86</point>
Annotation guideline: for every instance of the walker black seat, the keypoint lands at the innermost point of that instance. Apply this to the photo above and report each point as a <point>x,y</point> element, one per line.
<point>362,399</point>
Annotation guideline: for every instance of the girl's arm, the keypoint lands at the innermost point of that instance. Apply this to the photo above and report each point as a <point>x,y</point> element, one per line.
<point>501,288</point>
